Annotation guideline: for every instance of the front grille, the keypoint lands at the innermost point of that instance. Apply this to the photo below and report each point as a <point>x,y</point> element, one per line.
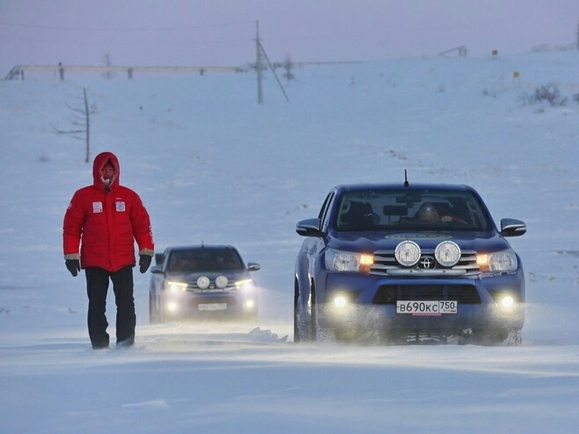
<point>390,294</point>
<point>192,286</point>
<point>385,264</point>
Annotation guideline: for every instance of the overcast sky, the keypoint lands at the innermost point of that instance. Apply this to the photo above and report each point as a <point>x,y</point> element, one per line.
<point>222,32</point>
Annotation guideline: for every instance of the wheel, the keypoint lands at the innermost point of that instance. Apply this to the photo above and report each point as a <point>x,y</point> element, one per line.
<point>297,337</point>
<point>304,321</point>
<point>154,317</point>
<point>313,315</point>
<point>249,317</point>
<point>306,327</point>
<point>345,336</point>
<point>510,338</point>
<point>514,338</point>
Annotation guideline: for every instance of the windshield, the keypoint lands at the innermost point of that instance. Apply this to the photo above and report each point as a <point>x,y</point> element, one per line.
<point>205,260</point>
<point>370,210</point>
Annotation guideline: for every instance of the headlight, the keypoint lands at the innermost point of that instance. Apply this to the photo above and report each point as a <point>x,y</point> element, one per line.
<point>337,260</point>
<point>176,286</point>
<point>447,253</point>
<point>407,253</point>
<point>245,285</point>
<point>498,262</point>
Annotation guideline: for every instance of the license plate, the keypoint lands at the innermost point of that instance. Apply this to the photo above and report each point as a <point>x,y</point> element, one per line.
<point>212,306</point>
<point>425,308</point>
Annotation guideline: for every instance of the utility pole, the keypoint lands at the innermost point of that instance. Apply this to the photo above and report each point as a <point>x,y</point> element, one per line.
<point>258,64</point>
<point>260,54</point>
<point>578,35</point>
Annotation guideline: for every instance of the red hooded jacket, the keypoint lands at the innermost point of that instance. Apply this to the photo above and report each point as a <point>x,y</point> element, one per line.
<point>105,222</point>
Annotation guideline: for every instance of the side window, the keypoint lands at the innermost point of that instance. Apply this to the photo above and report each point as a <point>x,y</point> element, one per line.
<point>325,212</point>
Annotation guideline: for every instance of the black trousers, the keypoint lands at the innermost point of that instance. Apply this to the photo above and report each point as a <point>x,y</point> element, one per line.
<point>97,285</point>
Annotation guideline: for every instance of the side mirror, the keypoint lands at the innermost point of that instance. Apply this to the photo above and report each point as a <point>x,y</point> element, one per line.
<point>157,269</point>
<point>252,266</point>
<point>309,228</point>
<point>512,228</point>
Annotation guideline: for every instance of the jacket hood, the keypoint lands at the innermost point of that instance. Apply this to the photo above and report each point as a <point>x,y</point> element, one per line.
<point>99,162</point>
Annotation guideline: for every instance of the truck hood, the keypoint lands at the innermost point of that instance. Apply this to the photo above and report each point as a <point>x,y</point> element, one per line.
<point>372,241</point>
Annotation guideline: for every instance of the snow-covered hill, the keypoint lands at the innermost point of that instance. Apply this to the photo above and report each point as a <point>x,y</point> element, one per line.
<point>212,165</point>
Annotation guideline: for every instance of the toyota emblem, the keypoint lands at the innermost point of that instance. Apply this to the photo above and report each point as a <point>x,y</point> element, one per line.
<point>427,263</point>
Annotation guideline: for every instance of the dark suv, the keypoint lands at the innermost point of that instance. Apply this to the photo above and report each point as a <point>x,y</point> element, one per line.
<point>201,282</point>
<point>407,262</point>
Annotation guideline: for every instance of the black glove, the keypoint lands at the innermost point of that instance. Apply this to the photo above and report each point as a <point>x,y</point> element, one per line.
<point>73,266</point>
<point>144,262</point>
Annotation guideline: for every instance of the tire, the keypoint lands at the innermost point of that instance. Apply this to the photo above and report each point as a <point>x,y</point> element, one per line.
<point>313,315</point>
<point>306,327</point>
<point>514,338</point>
<point>345,336</point>
<point>297,335</point>
<point>509,338</point>
<point>250,317</point>
<point>154,317</point>
<point>304,321</point>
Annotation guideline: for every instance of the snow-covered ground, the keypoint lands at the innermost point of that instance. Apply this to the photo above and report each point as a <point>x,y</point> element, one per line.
<point>212,165</point>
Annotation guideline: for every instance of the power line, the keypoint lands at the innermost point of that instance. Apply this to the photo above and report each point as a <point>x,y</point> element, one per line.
<point>187,43</point>
<point>127,29</point>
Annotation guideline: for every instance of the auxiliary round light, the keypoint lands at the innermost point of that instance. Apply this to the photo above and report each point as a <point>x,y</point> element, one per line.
<point>203,282</point>
<point>447,253</point>
<point>221,282</point>
<point>407,253</point>
<point>174,287</point>
<point>507,302</point>
<point>340,301</point>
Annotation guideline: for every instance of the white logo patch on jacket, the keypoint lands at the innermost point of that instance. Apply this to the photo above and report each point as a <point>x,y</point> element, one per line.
<point>97,207</point>
<point>120,205</point>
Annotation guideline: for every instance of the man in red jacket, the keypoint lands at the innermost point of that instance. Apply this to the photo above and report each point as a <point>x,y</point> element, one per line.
<point>105,219</point>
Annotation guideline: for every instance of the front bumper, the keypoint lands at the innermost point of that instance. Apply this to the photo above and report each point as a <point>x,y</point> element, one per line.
<point>370,303</point>
<point>194,305</point>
